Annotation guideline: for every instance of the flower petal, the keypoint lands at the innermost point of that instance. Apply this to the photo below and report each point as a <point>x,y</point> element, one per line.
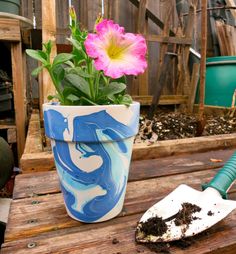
<point>115,52</point>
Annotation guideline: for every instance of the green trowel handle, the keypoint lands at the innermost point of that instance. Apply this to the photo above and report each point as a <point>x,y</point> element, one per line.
<point>224,178</point>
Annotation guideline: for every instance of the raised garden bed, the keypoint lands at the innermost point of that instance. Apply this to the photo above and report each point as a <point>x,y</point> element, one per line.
<point>37,155</point>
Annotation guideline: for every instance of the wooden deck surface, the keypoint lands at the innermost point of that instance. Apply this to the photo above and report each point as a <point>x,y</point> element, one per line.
<point>38,222</point>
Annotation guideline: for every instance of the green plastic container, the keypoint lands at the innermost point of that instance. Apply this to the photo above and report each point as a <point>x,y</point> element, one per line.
<point>10,6</point>
<point>220,81</point>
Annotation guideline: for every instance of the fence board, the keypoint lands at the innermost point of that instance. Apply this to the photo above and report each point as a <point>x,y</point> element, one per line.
<point>121,11</point>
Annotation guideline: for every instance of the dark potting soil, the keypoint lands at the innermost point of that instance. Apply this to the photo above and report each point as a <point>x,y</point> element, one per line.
<point>154,226</point>
<point>210,213</point>
<point>167,125</point>
<point>184,216</point>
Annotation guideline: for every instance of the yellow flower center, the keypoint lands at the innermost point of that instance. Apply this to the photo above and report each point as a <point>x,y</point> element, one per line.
<point>115,51</point>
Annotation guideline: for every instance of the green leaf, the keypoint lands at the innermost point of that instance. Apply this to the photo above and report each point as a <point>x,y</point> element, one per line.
<point>79,71</point>
<point>75,43</point>
<point>56,96</point>
<point>79,83</point>
<point>36,71</point>
<point>38,55</point>
<point>112,88</point>
<point>87,101</point>
<point>62,58</point>
<point>68,91</point>
<point>72,98</point>
<point>48,47</point>
<point>126,100</point>
<point>58,73</point>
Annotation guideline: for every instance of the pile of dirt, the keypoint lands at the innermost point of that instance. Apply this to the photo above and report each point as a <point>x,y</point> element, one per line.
<point>156,226</point>
<point>175,125</point>
<point>185,215</point>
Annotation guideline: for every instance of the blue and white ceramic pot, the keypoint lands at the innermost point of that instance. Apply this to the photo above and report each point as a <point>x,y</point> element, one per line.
<point>92,148</point>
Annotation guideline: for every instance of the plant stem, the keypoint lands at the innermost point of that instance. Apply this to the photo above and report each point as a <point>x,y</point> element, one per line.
<point>55,84</point>
<point>91,85</point>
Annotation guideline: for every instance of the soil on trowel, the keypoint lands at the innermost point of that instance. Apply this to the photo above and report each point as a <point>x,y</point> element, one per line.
<point>156,226</point>
<point>167,125</point>
<point>185,215</point>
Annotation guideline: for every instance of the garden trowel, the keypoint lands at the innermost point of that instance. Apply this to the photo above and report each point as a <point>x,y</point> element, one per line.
<point>186,212</point>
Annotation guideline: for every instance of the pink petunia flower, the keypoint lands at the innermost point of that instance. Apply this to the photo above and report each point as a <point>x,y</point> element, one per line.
<point>115,52</point>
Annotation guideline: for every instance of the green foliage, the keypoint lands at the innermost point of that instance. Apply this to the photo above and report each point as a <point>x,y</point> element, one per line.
<point>76,80</point>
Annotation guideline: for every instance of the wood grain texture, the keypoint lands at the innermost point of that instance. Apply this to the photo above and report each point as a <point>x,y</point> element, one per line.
<point>40,214</point>
<point>34,140</point>
<point>19,89</point>
<point>142,25</point>
<point>29,185</point>
<point>10,30</point>
<point>164,99</point>
<point>48,33</point>
<point>87,239</point>
<point>193,87</point>
<point>231,3</point>
<point>191,145</point>
<point>43,161</point>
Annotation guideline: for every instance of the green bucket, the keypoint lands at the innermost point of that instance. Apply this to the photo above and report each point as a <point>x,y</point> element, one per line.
<point>220,81</point>
<point>10,6</point>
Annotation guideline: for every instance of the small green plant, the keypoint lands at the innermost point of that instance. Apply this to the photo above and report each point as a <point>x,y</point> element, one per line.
<point>79,77</point>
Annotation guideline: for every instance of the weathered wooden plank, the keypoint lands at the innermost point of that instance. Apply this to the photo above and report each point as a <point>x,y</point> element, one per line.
<point>46,213</point>
<point>231,3</point>
<point>87,239</point>
<point>19,95</point>
<point>171,147</point>
<point>27,8</point>
<point>193,87</point>
<point>169,39</point>
<point>142,25</point>
<point>36,162</point>
<point>34,140</point>
<point>11,135</point>
<point>44,161</point>
<point>10,30</point>
<point>48,33</point>
<point>164,99</point>
<point>29,185</point>
<point>62,19</point>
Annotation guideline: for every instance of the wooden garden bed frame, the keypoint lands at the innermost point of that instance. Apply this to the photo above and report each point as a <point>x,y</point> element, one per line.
<point>37,157</point>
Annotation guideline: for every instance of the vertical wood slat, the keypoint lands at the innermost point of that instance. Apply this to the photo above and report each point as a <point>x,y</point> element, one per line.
<point>19,95</point>
<point>62,20</point>
<point>193,87</point>
<point>27,9</point>
<point>38,13</point>
<point>48,33</point>
<point>140,83</point>
<point>83,13</point>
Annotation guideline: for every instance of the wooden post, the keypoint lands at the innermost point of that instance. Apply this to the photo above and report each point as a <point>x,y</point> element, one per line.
<point>19,95</point>
<point>203,57</point>
<point>140,83</point>
<point>142,29</point>
<point>48,33</point>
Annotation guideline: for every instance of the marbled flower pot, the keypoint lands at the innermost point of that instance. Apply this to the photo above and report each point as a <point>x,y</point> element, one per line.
<point>92,147</point>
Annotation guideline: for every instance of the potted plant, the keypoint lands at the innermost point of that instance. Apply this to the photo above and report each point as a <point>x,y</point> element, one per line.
<point>93,123</point>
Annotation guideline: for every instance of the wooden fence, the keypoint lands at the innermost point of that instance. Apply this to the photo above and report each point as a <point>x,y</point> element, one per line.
<point>126,13</point>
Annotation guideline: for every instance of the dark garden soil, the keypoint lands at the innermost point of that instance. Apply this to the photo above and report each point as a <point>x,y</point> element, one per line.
<point>167,125</point>
<point>184,216</point>
<point>157,227</point>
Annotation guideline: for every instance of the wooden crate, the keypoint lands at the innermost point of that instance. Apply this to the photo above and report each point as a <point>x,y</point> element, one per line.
<point>38,156</point>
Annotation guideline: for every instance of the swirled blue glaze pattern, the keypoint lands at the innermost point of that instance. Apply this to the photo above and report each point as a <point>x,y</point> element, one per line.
<point>93,165</point>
